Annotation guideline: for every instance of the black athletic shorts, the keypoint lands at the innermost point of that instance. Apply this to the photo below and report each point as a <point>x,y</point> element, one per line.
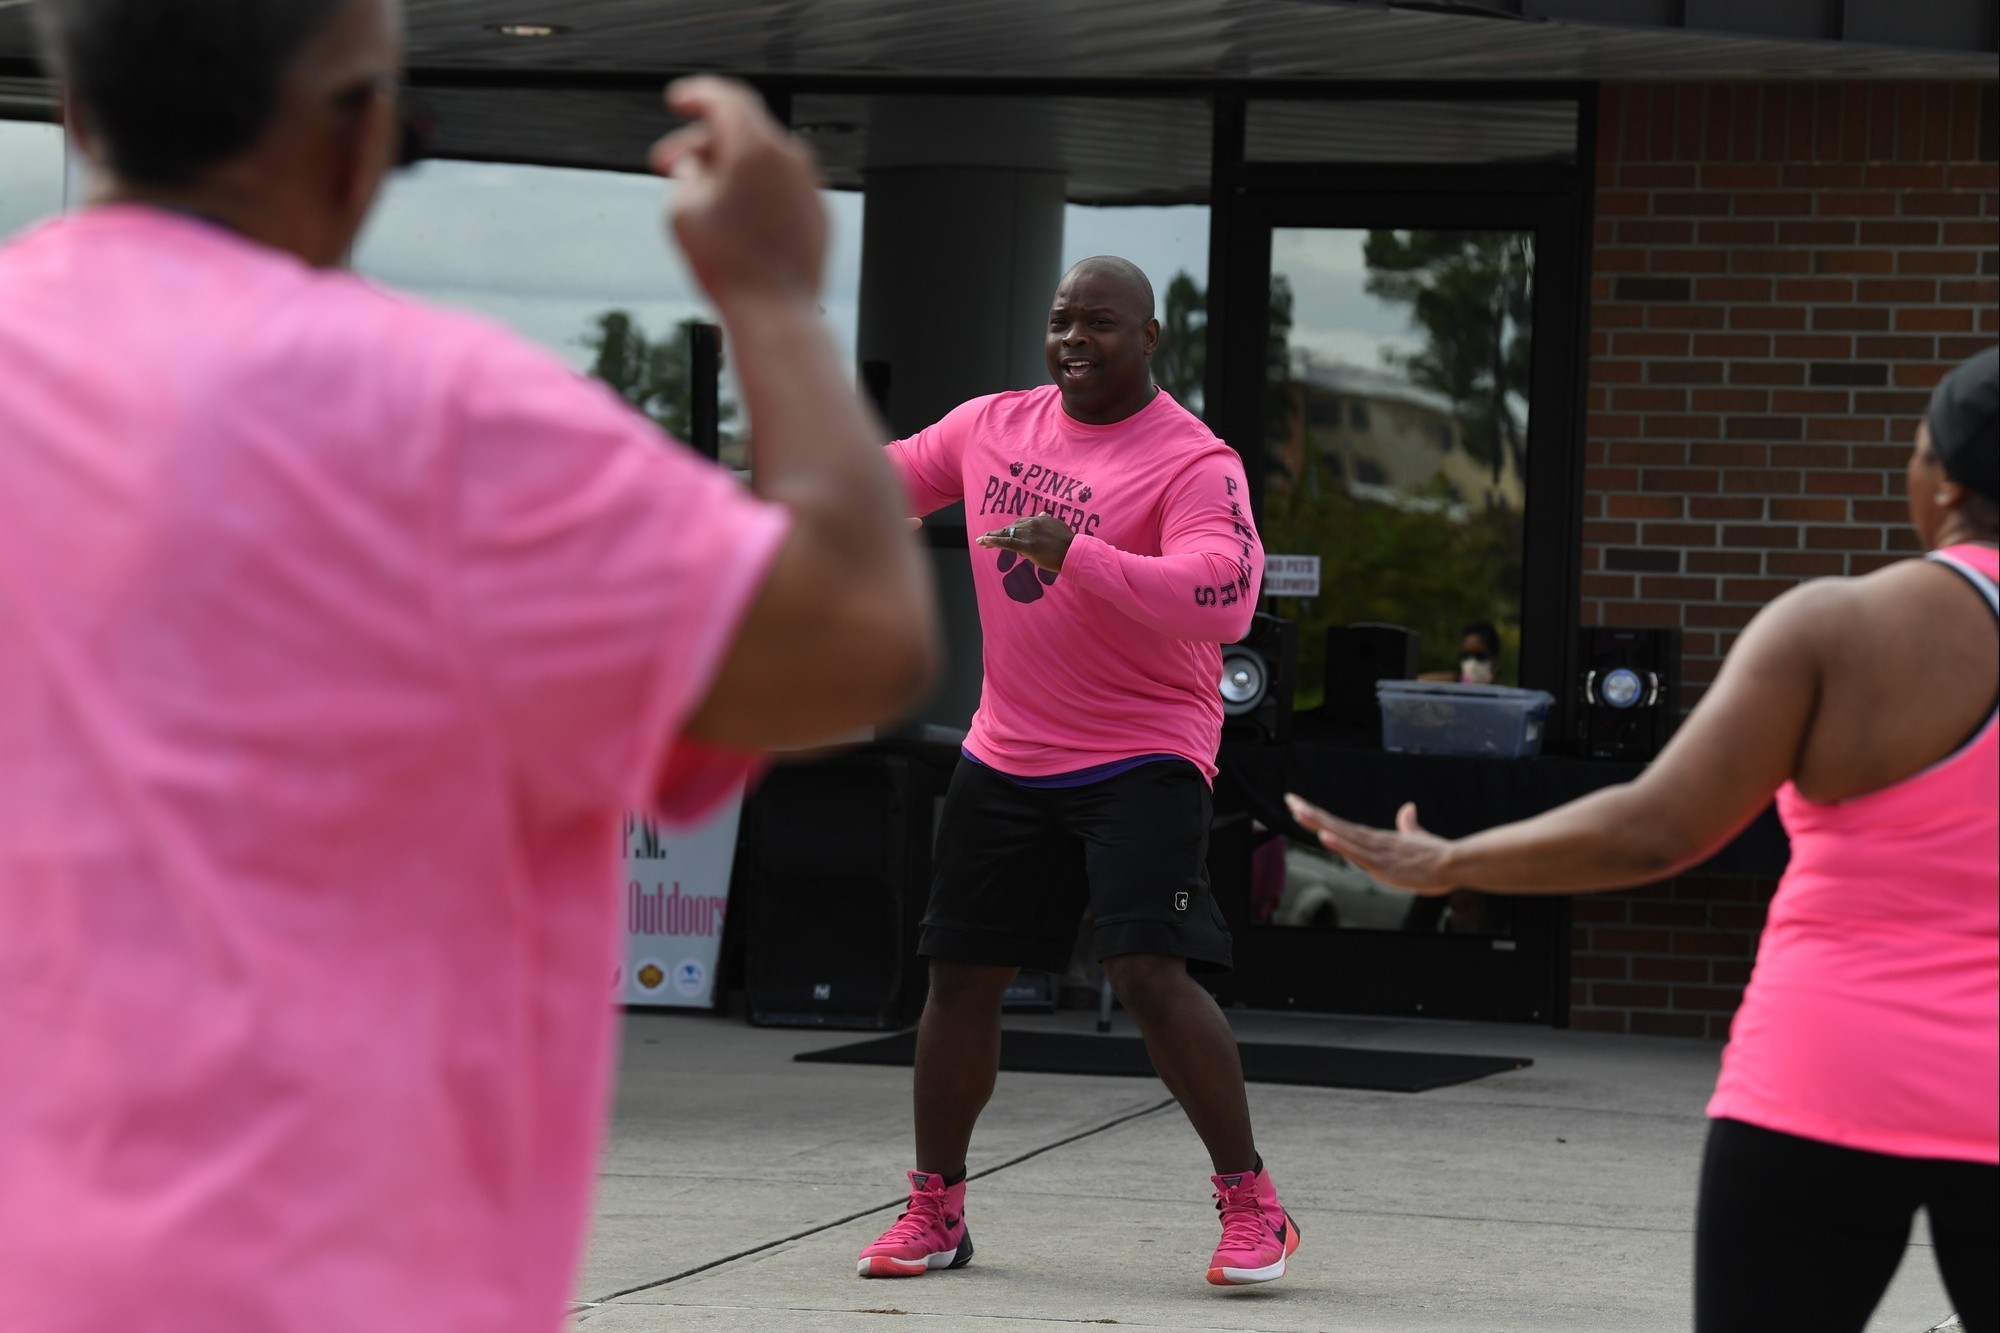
<point>1017,865</point>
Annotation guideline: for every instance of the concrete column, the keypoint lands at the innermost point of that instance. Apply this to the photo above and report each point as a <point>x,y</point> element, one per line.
<point>961,248</point>
<point>957,267</point>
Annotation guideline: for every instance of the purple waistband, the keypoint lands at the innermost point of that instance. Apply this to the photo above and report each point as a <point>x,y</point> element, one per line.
<point>1081,777</point>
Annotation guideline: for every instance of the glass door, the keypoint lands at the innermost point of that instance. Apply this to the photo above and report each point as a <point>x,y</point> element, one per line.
<point>1401,379</point>
<point>1395,437</point>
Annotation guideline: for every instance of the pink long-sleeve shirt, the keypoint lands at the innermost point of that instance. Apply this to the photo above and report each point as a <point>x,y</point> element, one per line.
<point>1119,655</point>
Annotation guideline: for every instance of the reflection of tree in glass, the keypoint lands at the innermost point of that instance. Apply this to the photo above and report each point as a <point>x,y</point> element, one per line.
<point>1471,293</point>
<point>1181,360</point>
<point>1428,563</point>
<point>651,375</point>
<point>1416,565</point>
<point>1281,400</point>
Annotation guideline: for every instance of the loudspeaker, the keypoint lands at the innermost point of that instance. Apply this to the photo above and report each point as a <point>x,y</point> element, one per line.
<point>1259,674</point>
<point>841,872</point>
<point>1629,693</point>
<point>1356,657</point>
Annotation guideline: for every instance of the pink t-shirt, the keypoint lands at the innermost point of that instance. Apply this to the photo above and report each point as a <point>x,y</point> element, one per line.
<point>1872,1019</point>
<point>1117,656</point>
<point>335,634</point>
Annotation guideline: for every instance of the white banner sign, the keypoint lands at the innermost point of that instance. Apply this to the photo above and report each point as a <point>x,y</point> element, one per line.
<point>676,895</point>
<point>1291,576</point>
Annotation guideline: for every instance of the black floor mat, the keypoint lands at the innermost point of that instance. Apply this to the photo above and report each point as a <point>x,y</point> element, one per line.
<point>1263,1062</point>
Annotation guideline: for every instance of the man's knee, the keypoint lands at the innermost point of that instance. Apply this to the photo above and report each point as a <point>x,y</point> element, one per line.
<point>959,985</point>
<point>1145,982</point>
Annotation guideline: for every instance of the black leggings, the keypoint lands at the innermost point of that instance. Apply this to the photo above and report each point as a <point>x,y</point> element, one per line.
<point>1797,1234</point>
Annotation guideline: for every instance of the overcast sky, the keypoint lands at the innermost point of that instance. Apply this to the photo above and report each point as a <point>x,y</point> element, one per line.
<point>545,249</point>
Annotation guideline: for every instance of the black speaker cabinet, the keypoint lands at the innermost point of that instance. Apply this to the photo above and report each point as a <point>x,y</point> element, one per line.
<point>1629,694</point>
<point>841,872</point>
<point>1259,674</point>
<point>1356,657</point>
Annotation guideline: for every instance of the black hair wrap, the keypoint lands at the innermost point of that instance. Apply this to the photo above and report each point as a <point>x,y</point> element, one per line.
<point>1962,418</point>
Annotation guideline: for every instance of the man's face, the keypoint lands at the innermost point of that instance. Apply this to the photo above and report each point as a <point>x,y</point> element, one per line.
<point>1100,346</point>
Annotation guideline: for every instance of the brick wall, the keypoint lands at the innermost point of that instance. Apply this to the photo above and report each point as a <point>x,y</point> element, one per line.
<point>1669,960</point>
<point>1780,274</point>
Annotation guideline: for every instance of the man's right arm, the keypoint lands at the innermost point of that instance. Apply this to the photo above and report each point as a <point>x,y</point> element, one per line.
<point>843,633</point>
<point>927,463</point>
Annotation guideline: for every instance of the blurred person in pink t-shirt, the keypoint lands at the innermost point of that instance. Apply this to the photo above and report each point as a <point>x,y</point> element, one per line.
<point>336,634</point>
<point>1862,1077</point>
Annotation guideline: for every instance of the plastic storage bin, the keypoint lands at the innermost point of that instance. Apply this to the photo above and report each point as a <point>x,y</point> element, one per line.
<point>1438,717</point>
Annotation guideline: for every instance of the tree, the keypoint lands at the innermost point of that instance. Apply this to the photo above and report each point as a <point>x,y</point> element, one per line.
<point>1471,293</point>
<point>651,375</point>
<point>1416,565</point>
<point>1180,365</point>
<point>1281,400</point>
<point>1426,563</point>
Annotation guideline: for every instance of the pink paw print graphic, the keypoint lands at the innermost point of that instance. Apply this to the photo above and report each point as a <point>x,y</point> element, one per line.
<point>1023,579</point>
<point>1014,469</point>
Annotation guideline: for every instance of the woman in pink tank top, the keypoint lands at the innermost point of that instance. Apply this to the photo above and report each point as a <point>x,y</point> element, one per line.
<point>1862,1076</point>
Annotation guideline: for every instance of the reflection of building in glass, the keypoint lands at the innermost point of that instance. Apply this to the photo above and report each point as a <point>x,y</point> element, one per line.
<point>1389,441</point>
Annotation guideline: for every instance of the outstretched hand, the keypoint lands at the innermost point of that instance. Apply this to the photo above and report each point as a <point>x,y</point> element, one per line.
<point>1406,858</point>
<point>1041,538</point>
<point>747,212</point>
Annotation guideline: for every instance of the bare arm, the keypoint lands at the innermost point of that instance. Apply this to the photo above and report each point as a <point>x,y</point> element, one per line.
<point>843,634</point>
<point>1719,771</point>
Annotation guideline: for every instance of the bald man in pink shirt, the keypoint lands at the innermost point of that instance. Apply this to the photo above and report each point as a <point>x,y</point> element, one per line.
<point>336,633</point>
<point>1118,555</point>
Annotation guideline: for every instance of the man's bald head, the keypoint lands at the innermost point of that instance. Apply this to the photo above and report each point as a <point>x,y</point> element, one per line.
<point>1123,276</point>
<point>1101,337</point>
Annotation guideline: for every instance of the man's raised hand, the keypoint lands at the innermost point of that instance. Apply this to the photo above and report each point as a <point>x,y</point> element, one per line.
<point>747,212</point>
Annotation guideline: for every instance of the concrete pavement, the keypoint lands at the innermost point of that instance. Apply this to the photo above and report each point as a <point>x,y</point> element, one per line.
<point>738,1186</point>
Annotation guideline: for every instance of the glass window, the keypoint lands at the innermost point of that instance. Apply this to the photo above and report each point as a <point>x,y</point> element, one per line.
<point>578,260</point>
<point>1415,504</point>
<point>31,173</point>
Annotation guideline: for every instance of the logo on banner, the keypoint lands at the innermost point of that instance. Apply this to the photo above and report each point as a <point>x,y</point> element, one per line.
<point>650,975</point>
<point>690,977</point>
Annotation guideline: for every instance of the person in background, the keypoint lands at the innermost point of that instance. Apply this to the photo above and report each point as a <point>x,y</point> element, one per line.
<point>1862,1077</point>
<point>336,635</point>
<point>1478,656</point>
<point>1120,556</point>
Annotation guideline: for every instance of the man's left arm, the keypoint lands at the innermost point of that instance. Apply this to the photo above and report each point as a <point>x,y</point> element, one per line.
<point>1203,584</point>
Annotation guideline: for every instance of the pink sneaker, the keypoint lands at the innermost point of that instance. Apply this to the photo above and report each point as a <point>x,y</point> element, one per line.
<point>931,1233</point>
<point>1258,1235</point>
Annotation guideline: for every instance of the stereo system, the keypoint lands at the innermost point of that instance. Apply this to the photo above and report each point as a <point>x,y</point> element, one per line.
<point>839,875</point>
<point>1259,674</point>
<point>1629,691</point>
<point>1357,656</point>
